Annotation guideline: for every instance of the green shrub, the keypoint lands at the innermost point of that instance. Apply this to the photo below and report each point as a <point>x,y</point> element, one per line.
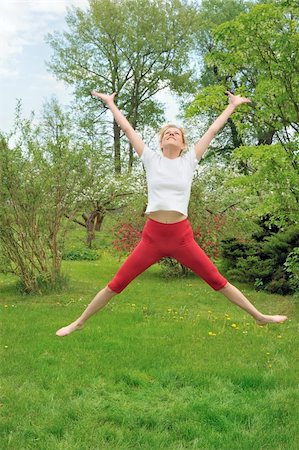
<point>81,255</point>
<point>271,263</point>
<point>292,268</point>
<point>4,264</point>
<point>171,268</point>
<point>45,286</point>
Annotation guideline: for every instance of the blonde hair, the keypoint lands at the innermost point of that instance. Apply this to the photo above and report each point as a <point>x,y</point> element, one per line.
<point>171,125</point>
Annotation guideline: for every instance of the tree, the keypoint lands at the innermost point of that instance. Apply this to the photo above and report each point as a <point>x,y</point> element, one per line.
<point>210,101</point>
<point>258,53</point>
<point>103,193</point>
<point>112,48</point>
<point>40,173</point>
<point>270,185</point>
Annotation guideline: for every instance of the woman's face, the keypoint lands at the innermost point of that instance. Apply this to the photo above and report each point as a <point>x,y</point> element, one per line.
<point>172,138</point>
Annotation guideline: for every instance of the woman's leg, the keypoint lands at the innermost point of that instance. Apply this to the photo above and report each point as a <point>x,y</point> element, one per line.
<point>143,256</point>
<point>100,300</point>
<point>192,256</point>
<point>239,299</point>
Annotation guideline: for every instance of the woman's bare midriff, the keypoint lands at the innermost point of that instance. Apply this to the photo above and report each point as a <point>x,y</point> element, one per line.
<point>167,216</point>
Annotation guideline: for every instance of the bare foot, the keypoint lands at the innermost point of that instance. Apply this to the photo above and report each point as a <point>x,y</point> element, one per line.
<point>65,331</point>
<point>270,319</point>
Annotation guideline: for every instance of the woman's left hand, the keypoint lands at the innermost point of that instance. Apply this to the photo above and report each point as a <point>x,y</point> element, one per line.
<point>237,100</point>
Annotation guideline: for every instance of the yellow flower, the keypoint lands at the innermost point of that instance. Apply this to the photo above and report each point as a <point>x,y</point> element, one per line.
<point>210,333</point>
<point>279,336</point>
<point>234,325</point>
<point>133,304</point>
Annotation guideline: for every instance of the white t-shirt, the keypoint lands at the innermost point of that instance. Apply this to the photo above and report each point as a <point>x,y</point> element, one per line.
<point>168,180</point>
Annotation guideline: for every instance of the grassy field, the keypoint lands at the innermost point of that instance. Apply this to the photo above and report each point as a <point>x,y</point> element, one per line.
<point>166,365</point>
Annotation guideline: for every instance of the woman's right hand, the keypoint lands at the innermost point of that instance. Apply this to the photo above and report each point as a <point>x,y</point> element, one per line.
<point>106,98</point>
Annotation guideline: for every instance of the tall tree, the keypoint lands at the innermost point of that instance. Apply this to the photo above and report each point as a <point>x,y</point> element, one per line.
<point>133,47</point>
<point>258,53</point>
<point>211,14</point>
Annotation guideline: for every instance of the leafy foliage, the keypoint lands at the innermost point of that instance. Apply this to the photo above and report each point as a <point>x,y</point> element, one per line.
<point>81,255</point>
<point>269,181</point>
<point>269,261</point>
<point>112,48</point>
<point>40,176</point>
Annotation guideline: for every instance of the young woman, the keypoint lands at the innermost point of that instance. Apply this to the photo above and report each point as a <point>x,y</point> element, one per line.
<point>167,231</point>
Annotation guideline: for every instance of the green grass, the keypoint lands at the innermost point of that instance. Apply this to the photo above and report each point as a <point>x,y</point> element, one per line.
<point>145,373</point>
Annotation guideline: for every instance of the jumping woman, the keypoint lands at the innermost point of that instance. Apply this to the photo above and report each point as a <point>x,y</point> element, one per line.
<point>167,231</point>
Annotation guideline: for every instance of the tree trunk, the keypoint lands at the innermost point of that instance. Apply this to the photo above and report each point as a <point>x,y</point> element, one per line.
<point>93,223</point>
<point>131,158</point>
<point>266,137</point>
<point>237,141</point>
<point>117,161</point>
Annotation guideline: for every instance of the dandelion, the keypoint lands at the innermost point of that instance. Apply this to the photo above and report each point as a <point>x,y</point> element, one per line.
<point>210,333</point>
<point>234,325</point>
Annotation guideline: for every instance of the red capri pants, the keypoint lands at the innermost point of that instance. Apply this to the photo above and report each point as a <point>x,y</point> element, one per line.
<point>174,240</point>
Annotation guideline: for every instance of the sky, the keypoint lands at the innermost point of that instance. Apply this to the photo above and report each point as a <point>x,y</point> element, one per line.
<point>23,53</point>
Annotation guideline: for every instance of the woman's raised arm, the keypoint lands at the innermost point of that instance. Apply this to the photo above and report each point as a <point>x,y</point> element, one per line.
<point>234,101</point>
<point>127,128</point>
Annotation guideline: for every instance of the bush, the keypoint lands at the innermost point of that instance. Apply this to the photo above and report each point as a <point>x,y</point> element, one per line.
<point>4,264</point>
<point>171,268</point>
<point>127,237</point>
<point>270,263</point>
<point>81,255</point>
<point>45,286</point>
<point>292,268</point>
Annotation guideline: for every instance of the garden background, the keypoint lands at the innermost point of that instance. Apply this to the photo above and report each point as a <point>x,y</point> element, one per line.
<point>169,363</point>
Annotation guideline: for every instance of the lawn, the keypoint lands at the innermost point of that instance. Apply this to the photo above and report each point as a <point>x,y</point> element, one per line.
<point>166,365</point>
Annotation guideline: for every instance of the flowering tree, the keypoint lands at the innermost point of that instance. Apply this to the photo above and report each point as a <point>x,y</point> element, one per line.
<point>104,193</point>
